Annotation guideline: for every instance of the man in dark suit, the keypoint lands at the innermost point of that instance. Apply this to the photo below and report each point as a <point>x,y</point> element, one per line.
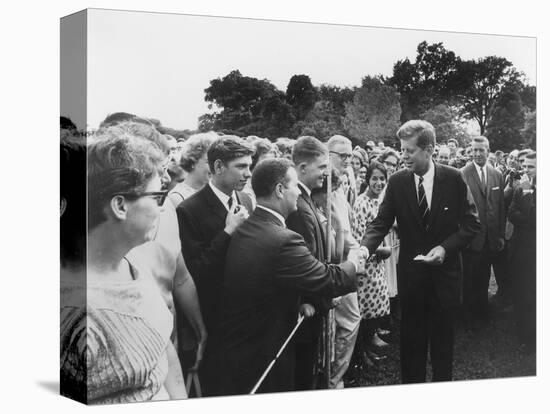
<point>523,214</point>
<point>487,248</point>
<point>310,158</point>
<point>267,268</point>
<point>436,217</point>
<point>207,220</point>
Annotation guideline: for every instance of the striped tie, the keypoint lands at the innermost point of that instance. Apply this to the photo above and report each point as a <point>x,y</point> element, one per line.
<point>423,203</point>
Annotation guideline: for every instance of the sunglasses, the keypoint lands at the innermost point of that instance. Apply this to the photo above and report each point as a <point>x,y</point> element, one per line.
<point>159,196</point>
<point>343,156</point>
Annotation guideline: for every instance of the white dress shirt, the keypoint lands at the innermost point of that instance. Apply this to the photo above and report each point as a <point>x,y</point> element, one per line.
<point>224,198</point>
<point>281,218</point>
<point>428,183</point>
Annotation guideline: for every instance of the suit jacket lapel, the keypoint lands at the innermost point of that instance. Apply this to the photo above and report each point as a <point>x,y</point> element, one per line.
<point>478,181</point>
<point>319,226</point>
<point>214,202</point>
<point>436,194</point>
<point>410,193</point>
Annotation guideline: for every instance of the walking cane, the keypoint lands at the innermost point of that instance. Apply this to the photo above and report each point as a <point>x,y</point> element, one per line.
<point>262,378</point>
<point>328,319</point>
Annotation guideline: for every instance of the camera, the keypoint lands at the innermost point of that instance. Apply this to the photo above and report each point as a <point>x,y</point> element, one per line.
<point>515,174</point>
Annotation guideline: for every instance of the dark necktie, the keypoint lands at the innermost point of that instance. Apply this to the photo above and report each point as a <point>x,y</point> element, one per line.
<point>423,203</point>
<point>230,203</point>
<point>483,182</point>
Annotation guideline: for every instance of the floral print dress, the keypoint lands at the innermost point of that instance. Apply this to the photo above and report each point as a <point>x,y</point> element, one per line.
<point>372,287</point>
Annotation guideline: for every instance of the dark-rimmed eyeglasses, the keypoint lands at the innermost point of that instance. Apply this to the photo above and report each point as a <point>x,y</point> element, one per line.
<point>159,196</point>
<point>343,155</point>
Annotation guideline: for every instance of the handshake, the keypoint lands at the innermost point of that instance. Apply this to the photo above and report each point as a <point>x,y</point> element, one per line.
<point>359,256</point>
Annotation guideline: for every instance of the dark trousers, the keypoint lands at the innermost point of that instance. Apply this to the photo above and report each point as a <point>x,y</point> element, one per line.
<point>306,351</point>
<point>425,324</point>
<point>477,274</point>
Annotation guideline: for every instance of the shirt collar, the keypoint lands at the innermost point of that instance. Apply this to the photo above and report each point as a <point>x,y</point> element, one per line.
<point>224,198</point>
<point>305,187</point>
<point>281,218</point>
<point>429,175</point>
<point>484,168</point>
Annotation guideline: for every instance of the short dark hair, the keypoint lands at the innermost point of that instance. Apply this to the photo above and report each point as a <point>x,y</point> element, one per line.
<point>418,128</point>
<point>306,149</point>
<point>118,162</point>
<point>375,165</point>
<point>227,148</point>
<point>268,173</point>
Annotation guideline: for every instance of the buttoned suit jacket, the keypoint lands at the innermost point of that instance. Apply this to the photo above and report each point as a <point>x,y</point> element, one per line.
<point>268,267</point>
<point>490,206</point>
<point>204,243</point>
<point>452,224</point>
<point>307,224</point>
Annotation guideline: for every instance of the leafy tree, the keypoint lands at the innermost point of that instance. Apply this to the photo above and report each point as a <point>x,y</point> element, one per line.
<point>507,121</point>
<point>301,95</point>
<point>528,95</point>
<point>529,131</point>
<point>485,80</point>
<point>247,106</point>
<point>433,78</point>
<point>336,97</point>
<point>447,123</point>
<point>321,122</point>
<point>374,113</point>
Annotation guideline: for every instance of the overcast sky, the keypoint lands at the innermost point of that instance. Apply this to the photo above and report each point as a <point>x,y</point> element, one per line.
<point>158,65</point>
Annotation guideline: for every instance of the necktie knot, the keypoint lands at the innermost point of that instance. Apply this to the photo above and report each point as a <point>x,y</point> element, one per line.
<point>230,202</point>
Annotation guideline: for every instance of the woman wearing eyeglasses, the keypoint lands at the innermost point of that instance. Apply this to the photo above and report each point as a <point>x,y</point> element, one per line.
<point>123,339</point>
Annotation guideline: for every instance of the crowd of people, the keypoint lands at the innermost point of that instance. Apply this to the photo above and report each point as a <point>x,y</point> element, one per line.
<point>221,265</point>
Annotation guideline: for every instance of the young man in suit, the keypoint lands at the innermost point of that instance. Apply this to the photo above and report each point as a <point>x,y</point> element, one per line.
<point>268,267</point>
<point>487,248</point>
<point>310,157</point>
<point>207,220</point>
<point>436,217</point>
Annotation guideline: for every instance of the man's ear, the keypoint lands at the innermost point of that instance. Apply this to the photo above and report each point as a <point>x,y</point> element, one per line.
<point>302,167</point>
<point>279,190</point>
<point>218,167</point>
<point>119,207</point>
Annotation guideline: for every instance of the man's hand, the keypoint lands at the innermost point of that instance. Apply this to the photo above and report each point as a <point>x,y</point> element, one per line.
<point>307,310</point>
<point>525,182</point>
<point>358,256</point>
<point>500,244</point>
<point>336,301</point>
<point>435,257</point>
<point>235,217</point>
<point>201,344</point>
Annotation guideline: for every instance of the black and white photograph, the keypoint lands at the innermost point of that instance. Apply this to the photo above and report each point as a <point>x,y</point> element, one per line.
<point>292,208</point>
<point>282,206</point>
